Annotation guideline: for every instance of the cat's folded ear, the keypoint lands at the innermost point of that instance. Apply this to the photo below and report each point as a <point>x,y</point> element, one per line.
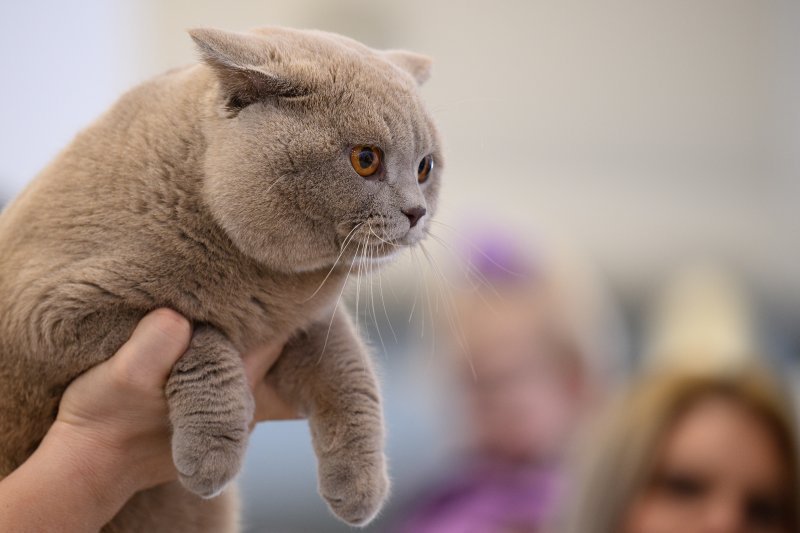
<point>418,65</point>
<point>245,66</point>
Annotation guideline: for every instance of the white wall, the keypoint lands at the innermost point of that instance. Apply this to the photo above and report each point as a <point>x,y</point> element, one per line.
<point>62,64</point>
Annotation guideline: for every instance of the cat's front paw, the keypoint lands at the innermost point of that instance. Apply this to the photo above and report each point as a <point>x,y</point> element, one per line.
<point>207,460</point>
<point>354,484</point>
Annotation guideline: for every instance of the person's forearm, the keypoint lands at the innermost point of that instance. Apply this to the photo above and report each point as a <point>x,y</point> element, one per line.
<point>63,486</point>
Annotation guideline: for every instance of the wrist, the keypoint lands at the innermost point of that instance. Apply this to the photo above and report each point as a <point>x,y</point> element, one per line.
<point>96,468</point>
<point>69,483</point>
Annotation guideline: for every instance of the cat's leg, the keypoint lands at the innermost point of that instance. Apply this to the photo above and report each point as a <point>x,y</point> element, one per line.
<point>338,391</point>
<point>210,408</point>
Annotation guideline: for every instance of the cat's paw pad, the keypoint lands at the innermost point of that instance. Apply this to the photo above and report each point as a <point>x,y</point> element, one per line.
<point>206,463</point>
<point>355,488</point>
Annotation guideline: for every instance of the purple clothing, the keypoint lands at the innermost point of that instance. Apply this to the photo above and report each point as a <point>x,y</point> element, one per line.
<point>489,497</point>
<point>497,256</point>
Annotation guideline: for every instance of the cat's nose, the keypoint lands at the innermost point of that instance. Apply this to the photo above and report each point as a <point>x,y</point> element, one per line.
<point>414,214</point>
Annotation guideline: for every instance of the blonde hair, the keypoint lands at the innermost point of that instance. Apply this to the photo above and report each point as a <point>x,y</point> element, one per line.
<point>623,454</point>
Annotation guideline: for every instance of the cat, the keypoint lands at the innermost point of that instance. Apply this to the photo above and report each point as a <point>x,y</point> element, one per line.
<point>238,191</point>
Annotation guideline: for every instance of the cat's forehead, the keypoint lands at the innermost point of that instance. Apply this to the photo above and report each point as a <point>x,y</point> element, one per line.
<point>336,58</point>
<point>358,87</point>
<point>379,114</point>
<point>313,46</point>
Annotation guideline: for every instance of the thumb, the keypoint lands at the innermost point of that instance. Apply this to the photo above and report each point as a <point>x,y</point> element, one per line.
<point>158,341</point>
<point>259,360</point>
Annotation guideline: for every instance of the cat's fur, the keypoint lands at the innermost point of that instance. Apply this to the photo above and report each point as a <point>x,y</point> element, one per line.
<point>224,191</point>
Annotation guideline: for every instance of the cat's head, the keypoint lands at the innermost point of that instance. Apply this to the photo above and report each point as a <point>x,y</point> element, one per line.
<point>317,143</point>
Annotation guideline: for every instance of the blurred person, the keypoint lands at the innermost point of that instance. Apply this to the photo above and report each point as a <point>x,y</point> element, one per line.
<point>529,364</point>
<point>690,451</point>
<point>706,440</point>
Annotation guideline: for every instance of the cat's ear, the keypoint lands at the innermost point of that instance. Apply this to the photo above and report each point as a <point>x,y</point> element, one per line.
<point>418,65</point>
<point>242,64</point>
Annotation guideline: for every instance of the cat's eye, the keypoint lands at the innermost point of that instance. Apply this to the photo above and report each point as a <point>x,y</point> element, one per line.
<point>366,160</point>
<point>424,169</point>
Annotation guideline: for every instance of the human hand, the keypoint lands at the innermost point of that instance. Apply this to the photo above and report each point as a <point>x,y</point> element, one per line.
<point>113,422</point>
<point>269,405</point>
<point>111,437</point>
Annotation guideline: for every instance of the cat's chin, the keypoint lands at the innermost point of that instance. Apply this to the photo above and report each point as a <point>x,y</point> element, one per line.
<point>379,259</point>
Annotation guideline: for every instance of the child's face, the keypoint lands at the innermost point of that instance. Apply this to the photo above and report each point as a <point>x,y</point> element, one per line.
<point>527,394</point>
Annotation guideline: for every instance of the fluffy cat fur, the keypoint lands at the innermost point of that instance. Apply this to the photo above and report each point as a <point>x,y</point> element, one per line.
<point>224,191</point>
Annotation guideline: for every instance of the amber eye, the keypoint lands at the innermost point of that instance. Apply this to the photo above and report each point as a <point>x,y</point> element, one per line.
<point>366,160</point>
<point>424,169</point>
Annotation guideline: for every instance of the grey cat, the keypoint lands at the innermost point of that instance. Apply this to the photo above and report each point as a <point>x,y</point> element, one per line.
<point>238,192</point>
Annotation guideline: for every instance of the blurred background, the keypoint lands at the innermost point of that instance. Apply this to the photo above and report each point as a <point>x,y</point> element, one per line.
<point>598,149</point>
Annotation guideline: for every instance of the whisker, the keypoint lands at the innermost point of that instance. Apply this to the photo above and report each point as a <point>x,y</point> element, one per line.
<point>372,299</point>
<point>422,296</point>
<point>383,300</point>
<point>277,180</point>
<point>347,240</point>
<point>336,308</point>
<point>472,245</point>
<point>430,314</point>
<point>360,259</point>
<point>384,240</point>
<point>467,268</point>
<point>450,313</point>
<point>474,276</point>
<point>414,303</point>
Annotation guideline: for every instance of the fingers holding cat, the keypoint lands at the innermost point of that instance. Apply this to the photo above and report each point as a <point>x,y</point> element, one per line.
<point>117,410</point>
<point>269,405</point>
<point>158,341</point>
<point>114,415</point>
